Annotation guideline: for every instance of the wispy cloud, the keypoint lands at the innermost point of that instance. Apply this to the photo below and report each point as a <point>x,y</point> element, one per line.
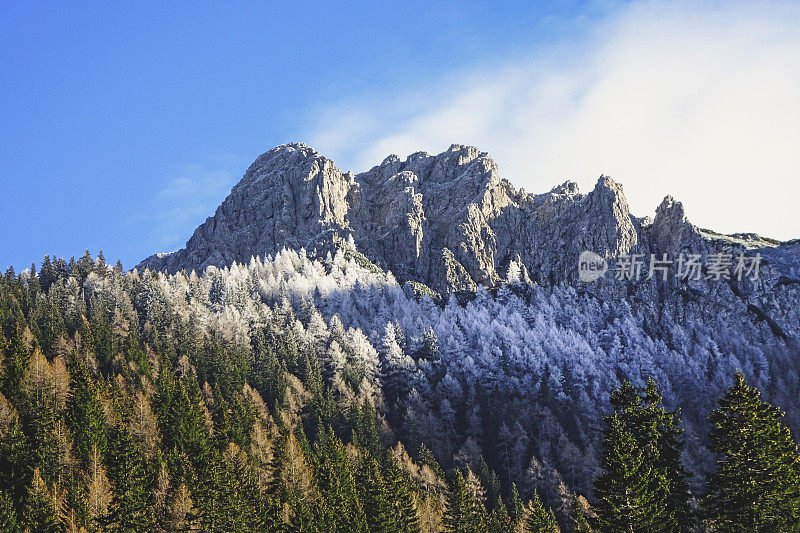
<point>697,100</point>
<point>184,203</point>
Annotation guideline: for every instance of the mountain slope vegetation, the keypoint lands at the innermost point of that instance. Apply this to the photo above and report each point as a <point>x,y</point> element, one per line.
<point>319,394</point>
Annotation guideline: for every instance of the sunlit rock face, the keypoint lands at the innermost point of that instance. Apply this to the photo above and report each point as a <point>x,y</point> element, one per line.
<point>447,220</point>
<point>451,222</point>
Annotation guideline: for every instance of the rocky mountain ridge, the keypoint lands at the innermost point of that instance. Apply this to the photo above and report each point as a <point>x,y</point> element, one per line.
<point>448,220</point>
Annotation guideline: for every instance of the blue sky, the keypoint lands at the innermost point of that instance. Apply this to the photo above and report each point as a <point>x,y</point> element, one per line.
<point>122,125</point>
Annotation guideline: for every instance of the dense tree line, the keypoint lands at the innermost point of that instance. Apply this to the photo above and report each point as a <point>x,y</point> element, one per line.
<point>240,401</point>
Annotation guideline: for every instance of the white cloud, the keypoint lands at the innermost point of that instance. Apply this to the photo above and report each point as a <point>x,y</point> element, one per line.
<point>184,203</point>
<point>701,101</point>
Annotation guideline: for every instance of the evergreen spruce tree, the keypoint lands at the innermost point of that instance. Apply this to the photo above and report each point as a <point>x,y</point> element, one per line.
<point>336,483</point>
<point>181,419</point>
<point>74,510</point>
<point>210,491</point>
<point>540,520</point>
<point>670,448</point>
<point>239,504</point>
<point>100,265</point>
<point>489,481</point>
<point>631,495</point>
<point>499,520</point>
<point>15,367</point>
<point>464,513</point>
<point>15,463</point>
<point>268,375</point>
<point>403,513</point>
<point>8,514</point>
<point>47,275</point>
<point>425,457</point>
<point>131,481</point>
<point>292,484</point>
<point>43,444</point>
<point>40,514</point>
<point>756,483</point>
<point>642,486</point>
<point>83,266</point>
<point>366,433</point>
<point>515,507</point>
<point>578,518</point>
<point>373,496</point>
<point>85,413</point>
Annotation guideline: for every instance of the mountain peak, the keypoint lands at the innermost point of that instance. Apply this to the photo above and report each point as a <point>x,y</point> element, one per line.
<point>568,187</point>
<point>427,218</point>
<point>607,186</point>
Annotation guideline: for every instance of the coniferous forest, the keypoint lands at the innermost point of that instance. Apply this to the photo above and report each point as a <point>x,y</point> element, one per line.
<point>298,394</point>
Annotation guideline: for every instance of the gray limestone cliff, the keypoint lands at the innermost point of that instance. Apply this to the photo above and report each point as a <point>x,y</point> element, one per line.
<point>451,222</point>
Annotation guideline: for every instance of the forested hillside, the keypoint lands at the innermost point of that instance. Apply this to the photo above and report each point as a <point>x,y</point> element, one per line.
<point>305,394</point>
